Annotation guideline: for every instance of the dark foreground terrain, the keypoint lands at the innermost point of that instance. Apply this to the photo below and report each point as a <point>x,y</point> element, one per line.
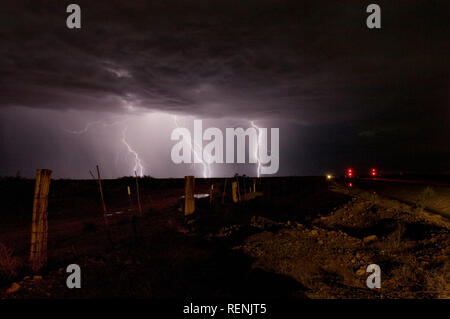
<point>303,238</point>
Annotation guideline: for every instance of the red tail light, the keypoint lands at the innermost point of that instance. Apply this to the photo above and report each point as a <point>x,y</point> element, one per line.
<point>349,172</point>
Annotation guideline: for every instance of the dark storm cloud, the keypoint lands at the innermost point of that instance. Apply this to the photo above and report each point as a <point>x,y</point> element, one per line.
<point>307,62</point>
<point>346,88</point>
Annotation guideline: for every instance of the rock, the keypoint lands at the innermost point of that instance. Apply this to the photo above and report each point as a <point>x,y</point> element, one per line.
<point>370,239</point>
<point>314,232</point>
<point>262,222</point>
<point>26,278</point>
<point>37,277</point>
<point>361,271</point>
<point>14,287</point>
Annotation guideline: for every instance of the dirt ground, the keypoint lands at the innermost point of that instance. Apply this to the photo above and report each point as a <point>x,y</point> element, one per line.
<point>330,256</point>
<point>304,238</point>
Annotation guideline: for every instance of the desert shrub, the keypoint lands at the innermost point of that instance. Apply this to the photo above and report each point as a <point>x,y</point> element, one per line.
<point>424,197</point>
<point>392,242</point>
<point>437,282</point>
<point>436,285</point>
<point>406,277</point>
<point>394,239</point>
<point>8,263</point>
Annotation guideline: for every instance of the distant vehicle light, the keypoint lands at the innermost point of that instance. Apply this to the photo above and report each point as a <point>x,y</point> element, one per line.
<point>349,173</point>
<point>329,176</point>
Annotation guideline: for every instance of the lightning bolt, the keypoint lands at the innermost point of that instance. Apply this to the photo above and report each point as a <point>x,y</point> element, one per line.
<point>258,145</point>
<point>86,128</point>
<point>206,166</point>
<point>138,166</point>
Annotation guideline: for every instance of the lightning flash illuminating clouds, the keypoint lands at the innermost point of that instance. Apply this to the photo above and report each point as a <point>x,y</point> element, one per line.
<point>138,163</point>
<point>339,92</point>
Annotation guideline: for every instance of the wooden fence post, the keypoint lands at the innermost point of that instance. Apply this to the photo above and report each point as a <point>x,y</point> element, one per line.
<point>39,227</point>
<point>133,215</point>
<point>245,188</point>
<point>224,190</point>
<point>211,195</point>
<point>105,211</point>
<point>234,191</point>
<point>129,198</point>
<point>189,200</point>
<point>138,195</point>
<point>238,188</point>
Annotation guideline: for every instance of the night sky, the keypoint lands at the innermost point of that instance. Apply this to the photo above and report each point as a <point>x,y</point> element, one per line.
<point>341,94</point>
